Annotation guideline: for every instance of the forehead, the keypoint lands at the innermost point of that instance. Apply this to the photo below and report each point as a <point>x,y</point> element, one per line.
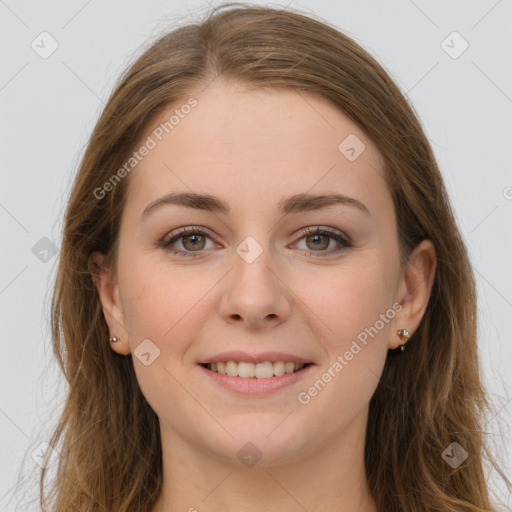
<point>256,145</point>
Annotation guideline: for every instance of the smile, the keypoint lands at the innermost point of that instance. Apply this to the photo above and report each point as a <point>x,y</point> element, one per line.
<point>264,370</point>
<point>258,379</point>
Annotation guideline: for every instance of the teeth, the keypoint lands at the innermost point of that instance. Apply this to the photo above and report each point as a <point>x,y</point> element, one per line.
<point>264,370</point>
<point>278,368</point>
<point>245,369</point>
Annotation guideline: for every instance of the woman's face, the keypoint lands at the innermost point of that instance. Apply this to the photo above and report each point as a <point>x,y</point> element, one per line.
<point>254,281</point>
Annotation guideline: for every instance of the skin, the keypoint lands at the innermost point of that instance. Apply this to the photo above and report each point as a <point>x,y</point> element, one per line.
<point>251,149</point>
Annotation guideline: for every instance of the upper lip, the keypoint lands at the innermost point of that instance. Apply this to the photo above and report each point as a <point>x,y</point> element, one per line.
<point>254,358</point>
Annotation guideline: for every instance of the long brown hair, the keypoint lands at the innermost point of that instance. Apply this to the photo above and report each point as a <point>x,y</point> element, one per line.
<point>428,397</point>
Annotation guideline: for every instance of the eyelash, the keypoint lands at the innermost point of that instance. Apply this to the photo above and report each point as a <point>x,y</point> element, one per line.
<point>317,230</point>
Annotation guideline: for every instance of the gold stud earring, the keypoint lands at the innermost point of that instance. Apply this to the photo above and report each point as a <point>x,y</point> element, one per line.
<point>404,336</point>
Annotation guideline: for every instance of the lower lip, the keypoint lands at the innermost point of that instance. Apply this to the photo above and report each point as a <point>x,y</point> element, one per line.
<point>254,386</point>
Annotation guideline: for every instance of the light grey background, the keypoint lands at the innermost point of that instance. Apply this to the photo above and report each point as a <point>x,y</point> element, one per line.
<point>48,108</point>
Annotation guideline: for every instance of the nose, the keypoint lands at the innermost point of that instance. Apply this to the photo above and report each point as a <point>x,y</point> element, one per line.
<point>254,294</point>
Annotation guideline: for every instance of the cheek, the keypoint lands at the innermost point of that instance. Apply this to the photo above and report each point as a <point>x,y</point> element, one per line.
<point>164,307</point>
<point>150,292</point>
<point>163,304</point>
<point>353,311</point>
<point>349,299</point>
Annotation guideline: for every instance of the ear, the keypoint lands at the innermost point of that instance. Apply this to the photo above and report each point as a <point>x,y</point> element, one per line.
<point>414,290</point>
<point>108,291</point>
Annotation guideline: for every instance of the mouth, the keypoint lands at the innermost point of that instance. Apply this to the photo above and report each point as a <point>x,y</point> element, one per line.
<point>255,379</point>
<point>249,370</point>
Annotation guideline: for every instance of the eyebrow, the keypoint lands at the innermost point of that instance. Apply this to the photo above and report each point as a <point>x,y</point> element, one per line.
<point>294,204</point>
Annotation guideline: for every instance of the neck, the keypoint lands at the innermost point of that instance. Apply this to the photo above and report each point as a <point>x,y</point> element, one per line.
<point>330,479</point>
